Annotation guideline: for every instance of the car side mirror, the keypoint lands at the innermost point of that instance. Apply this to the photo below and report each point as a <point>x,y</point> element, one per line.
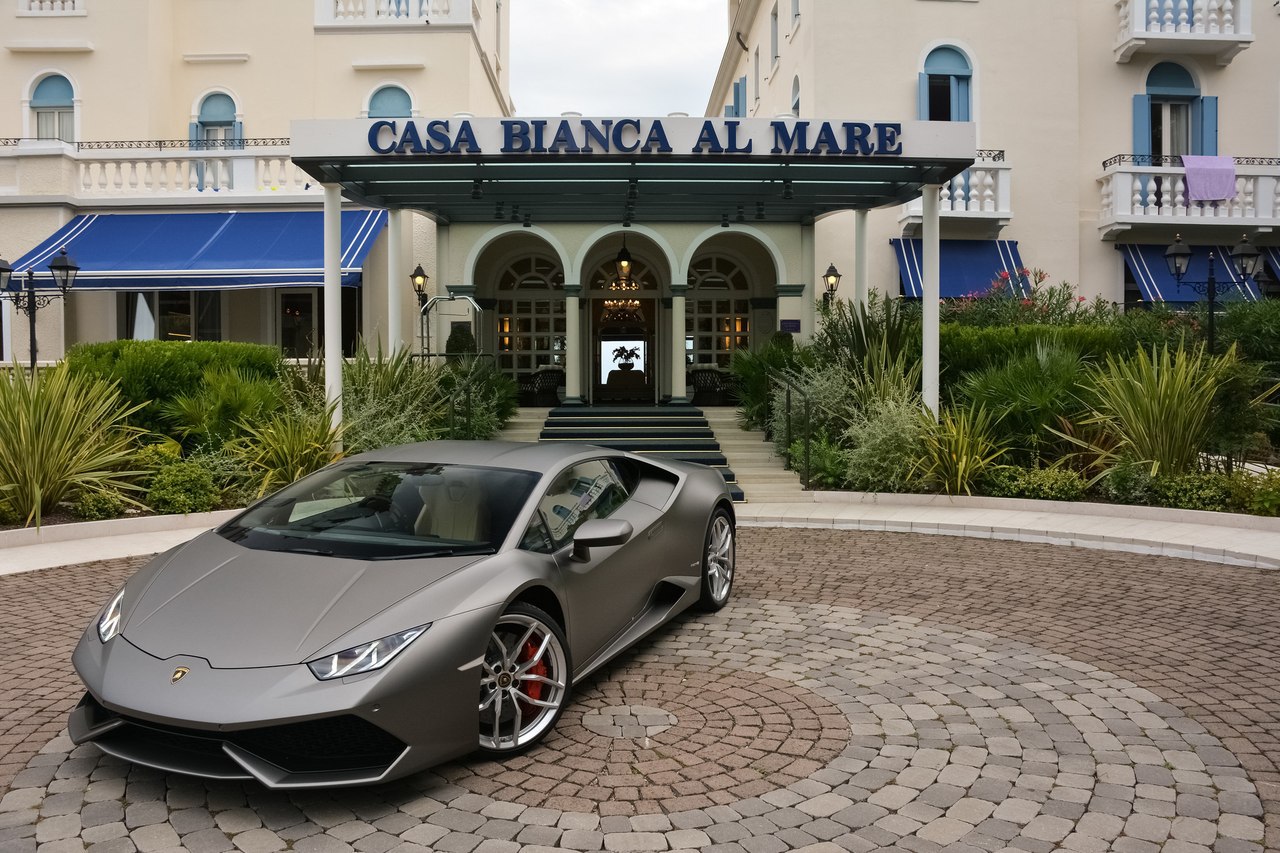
<point>599,532</point>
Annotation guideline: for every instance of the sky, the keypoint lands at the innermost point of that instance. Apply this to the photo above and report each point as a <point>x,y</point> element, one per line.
<point>615,57</point>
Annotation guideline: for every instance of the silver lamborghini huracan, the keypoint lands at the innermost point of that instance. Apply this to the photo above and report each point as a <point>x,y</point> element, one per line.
<point>398,609</point>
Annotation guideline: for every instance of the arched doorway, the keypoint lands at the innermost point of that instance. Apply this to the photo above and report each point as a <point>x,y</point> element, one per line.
<point>717,312</point>
<point>624,357</point>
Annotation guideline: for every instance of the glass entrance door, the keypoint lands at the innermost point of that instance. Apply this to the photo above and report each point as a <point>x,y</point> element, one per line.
<point>623,351</point>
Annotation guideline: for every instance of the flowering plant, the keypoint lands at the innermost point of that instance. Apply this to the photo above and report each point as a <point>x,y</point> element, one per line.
<point>626,353</point>
<point>1023,297</point>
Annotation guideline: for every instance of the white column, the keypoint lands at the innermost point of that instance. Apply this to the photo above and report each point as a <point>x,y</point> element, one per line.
<point>678,389</point>
<point>930,298</point>
<point>860,264</point>
<point>397,280</point>
<point>333,299</point>
<point>809,275</point>
<point>572,347</point>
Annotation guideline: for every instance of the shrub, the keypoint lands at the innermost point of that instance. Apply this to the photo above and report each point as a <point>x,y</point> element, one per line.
<point>1033,391</point>
<point>1156,409</point>
<point>230,477</point>
<point>387,400</point>
<point>849,331</point>
<point>1004,304</point>
<point>828,463</point>
<point>183,487</point>
<point>1206,490</point>
<point>209,415</point>
<point>291,444</point>
<point>1042,484</point>
<point>96,506</point>
<point>958,449</point>
<point>753,373</point>
<point>1128,482</point>
<point>884,445</point>
<point>480,399</point>
<point>150,458</point>
<point>151,373</point>
<point>461,341</point>
<point>1264,496</point>
<point>61,434</point>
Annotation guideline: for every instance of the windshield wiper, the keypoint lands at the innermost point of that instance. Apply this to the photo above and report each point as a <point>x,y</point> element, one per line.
<point>443,552</point>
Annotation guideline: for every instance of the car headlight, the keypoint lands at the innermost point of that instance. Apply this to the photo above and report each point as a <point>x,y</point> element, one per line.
<point>366,657</point>
<point>109,621</point>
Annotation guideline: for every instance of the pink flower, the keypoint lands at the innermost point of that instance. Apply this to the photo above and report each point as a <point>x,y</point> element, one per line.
<point>1003,275</point>
<point>1080,299</point>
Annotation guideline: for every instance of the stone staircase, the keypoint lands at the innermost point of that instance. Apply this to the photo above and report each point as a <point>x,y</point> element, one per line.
<point>760,472</point>
<point>708,436</point>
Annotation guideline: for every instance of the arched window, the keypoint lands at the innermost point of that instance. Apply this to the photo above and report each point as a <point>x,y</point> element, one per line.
<point>531,319</point>
<point>216,124</point>
<point>795,97</point>
<point>1171,118</point>
<point>53,107</point>
<point>718,311</point>
<point>944,86</point>
<point>390,102</point>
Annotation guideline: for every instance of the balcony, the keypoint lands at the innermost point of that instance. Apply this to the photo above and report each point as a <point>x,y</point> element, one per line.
<point>981,195</point>
<point>1145,190</point>
<point>1217,28</point>
<point>362,15</point>
<point>121,174</point>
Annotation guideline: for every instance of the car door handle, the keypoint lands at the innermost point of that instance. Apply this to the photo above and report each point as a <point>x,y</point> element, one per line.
<point>656,529</point>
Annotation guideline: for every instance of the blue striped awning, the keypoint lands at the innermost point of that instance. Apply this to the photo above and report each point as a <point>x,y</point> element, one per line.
<point>965,267</point>
<point>1273,255</point>
<point>1156,284</point>
<point>204,251</point>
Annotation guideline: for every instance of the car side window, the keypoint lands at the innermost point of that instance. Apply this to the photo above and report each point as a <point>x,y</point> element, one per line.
<point>581,492</point>
<point>536,538</point>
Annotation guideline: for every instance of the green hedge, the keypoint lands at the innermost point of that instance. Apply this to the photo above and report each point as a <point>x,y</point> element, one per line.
<point>967,348</point>
<point>153,372</point>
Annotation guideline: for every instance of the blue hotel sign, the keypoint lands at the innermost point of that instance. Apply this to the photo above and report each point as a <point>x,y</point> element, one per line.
<point>635,136</point>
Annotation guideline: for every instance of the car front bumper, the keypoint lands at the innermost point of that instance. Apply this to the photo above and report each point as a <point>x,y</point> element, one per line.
<point>280,725</point>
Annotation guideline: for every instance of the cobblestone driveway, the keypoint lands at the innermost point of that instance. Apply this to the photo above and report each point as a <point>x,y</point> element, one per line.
<point>864,690</point>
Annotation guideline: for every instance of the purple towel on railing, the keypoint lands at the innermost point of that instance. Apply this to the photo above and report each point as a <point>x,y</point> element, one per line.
<point>1210,178</point>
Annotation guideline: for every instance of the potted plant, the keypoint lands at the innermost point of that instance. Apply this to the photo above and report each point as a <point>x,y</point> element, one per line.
<point>625,357</point>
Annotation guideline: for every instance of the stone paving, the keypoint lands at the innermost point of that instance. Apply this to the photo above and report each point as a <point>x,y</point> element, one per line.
<point>862,691</point>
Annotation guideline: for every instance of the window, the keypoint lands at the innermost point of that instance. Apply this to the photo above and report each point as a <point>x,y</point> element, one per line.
<point>580,493</point>
<point>944,86</point>
<point>53,107</point>
<point>795,97</point>
<point>774,53</point>
<point>170,315</point>
<point>1172,118</point>
<point>216,123</point>
<point>390,102</point>
<point>718,316</point>
<point>531,318</point>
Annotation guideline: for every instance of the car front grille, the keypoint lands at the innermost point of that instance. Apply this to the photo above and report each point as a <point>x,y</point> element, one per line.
<point>330,744</point>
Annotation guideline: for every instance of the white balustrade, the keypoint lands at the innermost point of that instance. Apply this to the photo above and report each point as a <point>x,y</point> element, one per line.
<point>134,174</point>
<point>391,12</point>
<point>983,191</point>
<point>1216,27</point>
<point>51,7</point>
<point>1132,195</point>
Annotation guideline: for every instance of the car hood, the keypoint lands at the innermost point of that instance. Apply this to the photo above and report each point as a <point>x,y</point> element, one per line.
<point>237,607</point>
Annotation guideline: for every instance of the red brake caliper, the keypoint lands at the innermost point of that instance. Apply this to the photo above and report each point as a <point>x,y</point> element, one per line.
<point>533,689</point>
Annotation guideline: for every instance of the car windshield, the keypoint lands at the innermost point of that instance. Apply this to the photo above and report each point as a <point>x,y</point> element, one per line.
<point>387,510</point>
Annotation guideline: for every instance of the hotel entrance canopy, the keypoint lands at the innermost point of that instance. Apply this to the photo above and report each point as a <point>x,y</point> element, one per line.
<point>648,170</point>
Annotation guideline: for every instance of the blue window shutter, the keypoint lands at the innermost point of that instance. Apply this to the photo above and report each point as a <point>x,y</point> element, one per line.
<point>922,97</point>
<point>1204,126</point>
<point>193,131</point>
<point>1141,125</point>
<point>194,136</point>
<point>960,99</point>
<point>237,134</point>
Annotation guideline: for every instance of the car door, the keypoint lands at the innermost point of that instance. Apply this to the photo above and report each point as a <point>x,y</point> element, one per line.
<point>605,592</point>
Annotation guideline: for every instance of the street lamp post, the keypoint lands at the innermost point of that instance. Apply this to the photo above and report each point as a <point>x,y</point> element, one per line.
<point>830,280</point>
<point>1246,259</point>
<point>418,278</point>
<point>27,300</point>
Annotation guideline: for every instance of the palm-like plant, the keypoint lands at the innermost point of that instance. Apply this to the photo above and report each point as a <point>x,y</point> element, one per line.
<point>59,434</point>
<point>292,444</point>
<point>1153,409</point>
<point>959,449</point>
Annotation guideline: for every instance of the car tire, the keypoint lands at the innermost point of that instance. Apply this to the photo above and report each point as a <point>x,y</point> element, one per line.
<point>718,555</point>
<point>525,680</point>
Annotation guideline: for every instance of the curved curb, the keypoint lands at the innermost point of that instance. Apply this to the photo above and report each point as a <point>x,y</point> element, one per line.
<point>78,530</point>
<point>1225,538</point>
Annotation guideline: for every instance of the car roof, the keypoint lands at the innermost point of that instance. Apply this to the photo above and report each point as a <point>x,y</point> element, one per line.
<point>524,456</point>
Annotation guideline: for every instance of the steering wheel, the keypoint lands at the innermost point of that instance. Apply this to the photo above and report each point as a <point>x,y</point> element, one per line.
<point>387,514</point>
